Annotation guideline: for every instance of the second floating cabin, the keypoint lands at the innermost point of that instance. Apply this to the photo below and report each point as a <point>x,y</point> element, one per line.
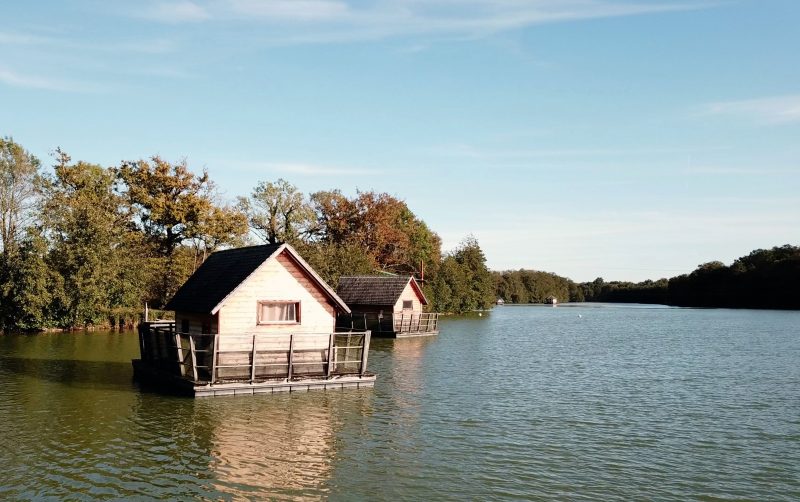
<point>388,306</point>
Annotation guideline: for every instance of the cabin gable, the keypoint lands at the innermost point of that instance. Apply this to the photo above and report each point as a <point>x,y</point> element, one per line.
<point>409,294</point>
<point>279,279</point>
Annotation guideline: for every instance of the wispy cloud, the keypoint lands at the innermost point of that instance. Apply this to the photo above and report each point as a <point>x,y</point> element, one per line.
<point>16,79</point>
<point>292,10</point>
<point>767,111</point>
<point>7,38</point>
<point>735,170</point>
<point>305,169</point>
<point>461,150</point>
<point>352,20</point>
<point>182,11</point>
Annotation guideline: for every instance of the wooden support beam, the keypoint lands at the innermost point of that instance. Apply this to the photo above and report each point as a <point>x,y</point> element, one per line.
<point>181,367</point>
<point>214,352</point>
<point>194,357</point>
<point>364,353</point>
<point>253,361</point>
<point>329,368</point>
<point>291,355</point>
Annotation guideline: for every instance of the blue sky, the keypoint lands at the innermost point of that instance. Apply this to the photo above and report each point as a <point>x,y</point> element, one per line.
<point>625,139</point>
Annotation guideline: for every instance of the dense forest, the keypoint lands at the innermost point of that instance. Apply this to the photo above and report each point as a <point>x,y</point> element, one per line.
<point>86,245</point>
<point>765,278</point>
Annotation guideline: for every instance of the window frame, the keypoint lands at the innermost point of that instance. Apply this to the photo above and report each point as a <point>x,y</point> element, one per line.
<point>297,310</point>
<point>410,306</point>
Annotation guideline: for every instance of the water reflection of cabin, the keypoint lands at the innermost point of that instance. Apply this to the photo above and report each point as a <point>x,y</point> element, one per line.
<point>388,306</point>
<point>254,320</point>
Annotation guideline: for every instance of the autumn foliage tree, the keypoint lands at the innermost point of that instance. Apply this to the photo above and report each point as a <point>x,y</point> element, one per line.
<point>174,205</point>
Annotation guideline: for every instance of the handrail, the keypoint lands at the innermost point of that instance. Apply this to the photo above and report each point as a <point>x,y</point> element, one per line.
<point>397,322</point>
<point>213,358</point>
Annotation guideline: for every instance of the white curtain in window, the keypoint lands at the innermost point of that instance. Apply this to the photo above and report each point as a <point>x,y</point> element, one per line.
<point>278,312</point>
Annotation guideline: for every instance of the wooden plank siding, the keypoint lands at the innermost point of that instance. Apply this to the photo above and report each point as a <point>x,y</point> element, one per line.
<point>409,293</point>
<point>278,279</point>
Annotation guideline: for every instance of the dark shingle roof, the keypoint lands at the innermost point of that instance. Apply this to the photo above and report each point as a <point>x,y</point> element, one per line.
<point>373,289</point>
<point>220,274</point>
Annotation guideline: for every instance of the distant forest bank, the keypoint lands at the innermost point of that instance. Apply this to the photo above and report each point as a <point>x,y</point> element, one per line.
<point>764,279</point>
<point>84,245</point>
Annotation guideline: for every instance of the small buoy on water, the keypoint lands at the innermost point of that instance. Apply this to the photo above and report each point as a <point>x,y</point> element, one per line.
<point>580,316</point>
<point>480,314</point>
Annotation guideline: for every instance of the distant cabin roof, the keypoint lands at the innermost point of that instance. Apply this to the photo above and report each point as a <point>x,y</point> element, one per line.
<point>375,289</point>
<point>224,271</point>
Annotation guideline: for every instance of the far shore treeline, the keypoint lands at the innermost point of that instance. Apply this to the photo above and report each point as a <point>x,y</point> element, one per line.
<point>86,245</point>
<point>765,278</point>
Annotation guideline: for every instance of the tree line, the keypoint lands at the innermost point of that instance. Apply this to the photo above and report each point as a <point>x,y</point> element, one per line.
<point>86,245</point>
<point>765,278</point>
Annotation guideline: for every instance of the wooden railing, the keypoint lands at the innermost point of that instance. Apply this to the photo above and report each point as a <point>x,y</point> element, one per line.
<point>396,322</point>
<point>416,322</point>
<point>253,357</point>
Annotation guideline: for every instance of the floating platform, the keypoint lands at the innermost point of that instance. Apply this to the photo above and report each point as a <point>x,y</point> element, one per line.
<point>210,365</point>
<point>156,378</point>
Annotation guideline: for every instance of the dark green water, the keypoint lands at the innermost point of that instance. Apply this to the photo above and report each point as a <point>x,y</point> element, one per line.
<point>570,403</point>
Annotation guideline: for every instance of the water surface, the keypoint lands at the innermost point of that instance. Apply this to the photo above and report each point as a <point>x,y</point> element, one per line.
<point>577,402</point>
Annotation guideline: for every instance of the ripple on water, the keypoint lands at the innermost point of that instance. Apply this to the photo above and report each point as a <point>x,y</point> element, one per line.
<point>524,403</point>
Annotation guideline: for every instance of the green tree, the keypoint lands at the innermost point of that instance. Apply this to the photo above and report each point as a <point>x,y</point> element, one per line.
<point>85,221</point>
<point>19,171</point>
<point>278,212</point>
<point>34,298</point>
<point>462,282</point>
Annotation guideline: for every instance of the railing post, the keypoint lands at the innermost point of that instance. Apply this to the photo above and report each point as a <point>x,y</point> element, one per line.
<point>194,357</point>
<point>291,355</point>
<point>214,350</point>
<point>329,368</point>
<point>365,353</point>
<point>181,368</point>
<point>253,361</point>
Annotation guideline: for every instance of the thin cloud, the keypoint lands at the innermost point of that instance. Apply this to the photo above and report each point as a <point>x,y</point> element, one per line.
<point>329,21</point>
<point>16,79</point>
<point>175,12</point>
<point>292,10</point>
<point>773,110</point>
<point>308,169</point>
<point>731,170</point>
<point>460,150</point>
<point>7,38</point>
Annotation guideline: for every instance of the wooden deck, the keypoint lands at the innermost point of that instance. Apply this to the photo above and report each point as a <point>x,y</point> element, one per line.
<point>393,325</point>
<point>222,365</point>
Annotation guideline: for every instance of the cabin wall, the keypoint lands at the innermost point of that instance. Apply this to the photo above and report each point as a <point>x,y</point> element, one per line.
<point>277,279</point>
<point>196,322</point>
<point>409,293</point>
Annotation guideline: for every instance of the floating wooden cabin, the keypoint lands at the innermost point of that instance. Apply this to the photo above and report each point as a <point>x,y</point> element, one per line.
<point>387,306</point>
<point>254,320</point>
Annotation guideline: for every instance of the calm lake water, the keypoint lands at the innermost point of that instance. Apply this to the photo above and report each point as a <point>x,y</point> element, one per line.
<point>571,403</point>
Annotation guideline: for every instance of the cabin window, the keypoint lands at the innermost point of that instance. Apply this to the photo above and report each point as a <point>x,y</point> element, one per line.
<point>184,325</point>
<point>408,304</point>
<point>278,312</point>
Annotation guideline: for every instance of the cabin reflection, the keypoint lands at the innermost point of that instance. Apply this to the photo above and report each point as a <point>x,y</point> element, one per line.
<point>278,447</point>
